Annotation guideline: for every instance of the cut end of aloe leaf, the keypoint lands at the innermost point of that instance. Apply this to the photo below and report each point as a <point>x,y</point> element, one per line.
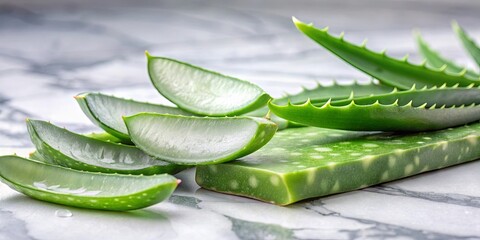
<point>84,189</point>
<point>198,140</point>
<point>202,91</point>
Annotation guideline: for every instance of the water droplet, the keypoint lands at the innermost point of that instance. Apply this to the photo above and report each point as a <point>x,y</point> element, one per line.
<point>63,213</point>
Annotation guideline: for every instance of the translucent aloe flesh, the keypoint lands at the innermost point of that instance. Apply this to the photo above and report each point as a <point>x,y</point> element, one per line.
<point>60,146</point>
<point>472,48</point>
<point>107,111</point>
<point>412,110</point>
<point>395,72</point>
<point>202,91</point>
<point>310,162</point>
<point>434,59</point>
<point>198,140</point>
<point>84,189</point>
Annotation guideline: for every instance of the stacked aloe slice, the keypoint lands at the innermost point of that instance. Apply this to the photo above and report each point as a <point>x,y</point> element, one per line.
<point>334,138</point>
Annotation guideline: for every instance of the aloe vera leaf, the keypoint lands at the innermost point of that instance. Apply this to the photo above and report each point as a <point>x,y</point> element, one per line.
<point>62,147</point>
<point>321,93</point>
<point>310,162</point>
<point>202,91</point>
<point>38,157</point>
<point>198,140</point>
<point>107,111</point>
<point>413,110</point>
<point>388,70</point>
<point>434,59</point>
<point>469,44</point>
<point>116,192</point>
<point>104,136</point>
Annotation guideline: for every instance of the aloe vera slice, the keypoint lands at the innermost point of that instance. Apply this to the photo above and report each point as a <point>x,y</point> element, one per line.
<point>472,48</point>
<point>413,110</point>
<point>310,162</point>
<point>107,111</point>
<point>65,148</point>
<point>202,91</point>
<point>198,140</point>
<point>84,189</point>
<point>388,70</point>
<point>434,59</point>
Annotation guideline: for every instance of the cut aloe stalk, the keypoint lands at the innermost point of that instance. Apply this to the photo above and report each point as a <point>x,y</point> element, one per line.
<point>202,91</point>
<point>304,163</point>
<point>434,59</point>
<point>65,148</point>
<point>198,140</point>
<point>472,48</point>
<point>412,110</point>
<point>107,111</point>
<point>395,72</point>
<point>84,189</point>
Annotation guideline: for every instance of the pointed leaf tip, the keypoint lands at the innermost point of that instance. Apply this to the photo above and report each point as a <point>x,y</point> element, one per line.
<point>148,54</point>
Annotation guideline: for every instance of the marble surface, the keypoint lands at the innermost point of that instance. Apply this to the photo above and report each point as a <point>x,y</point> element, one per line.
<point>51,50</point>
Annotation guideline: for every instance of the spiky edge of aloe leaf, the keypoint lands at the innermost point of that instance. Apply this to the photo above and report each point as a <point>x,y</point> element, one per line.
<point>321,93</point>
<point>377,116</point>
<point>434,59</point>
<point>437,96</point>
<point>259,102</point>
<point>395,72</point>
<point>468,43</point>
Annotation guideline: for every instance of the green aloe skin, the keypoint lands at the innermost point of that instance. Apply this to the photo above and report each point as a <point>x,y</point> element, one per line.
<point>62,147</point>
<point>310,162</point>
<point>204,140</point>
<point>394,72</point>
<point>84,189</point>
<point>472,48</point>
<point>107,111</point>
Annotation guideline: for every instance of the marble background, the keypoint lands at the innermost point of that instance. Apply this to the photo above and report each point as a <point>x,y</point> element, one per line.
<point>52,50</point>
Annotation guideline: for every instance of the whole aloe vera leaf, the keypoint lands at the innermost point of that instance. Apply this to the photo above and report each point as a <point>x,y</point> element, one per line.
<point>388,70</point>
<point>413,110</point>
<point>472,48</point>
<point>116,192</point>
<point>310,162</point>
<point>434,59</point>
<point>198,140</point>
<point>202,91</point>
<point>107,111</point>
<point>62,147</point>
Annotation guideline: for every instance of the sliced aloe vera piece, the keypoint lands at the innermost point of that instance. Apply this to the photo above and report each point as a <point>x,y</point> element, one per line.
<point>434,59</point>
<point>202,91</point>
<point>413,110</point>
<point>84,189</point>
<point>472,48</point>
<point>107,111</point>
<point>395,72</point>
<point>65,148</point>
<point>198,140</point>
<point>310,162</point>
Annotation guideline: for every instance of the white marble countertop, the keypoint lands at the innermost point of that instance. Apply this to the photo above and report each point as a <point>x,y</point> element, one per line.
<point>52,50</point>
